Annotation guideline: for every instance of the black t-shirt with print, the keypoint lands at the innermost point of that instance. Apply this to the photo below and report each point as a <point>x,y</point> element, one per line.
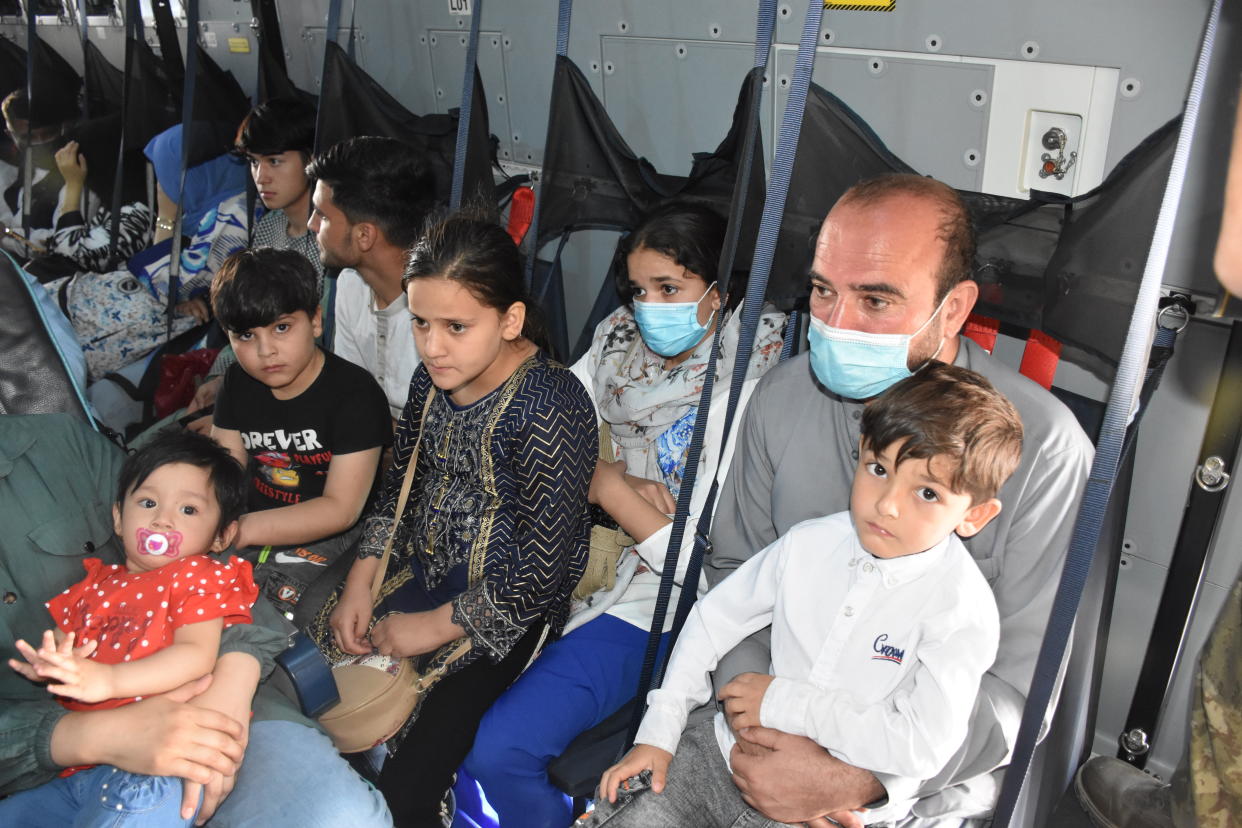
<point>291,442</point>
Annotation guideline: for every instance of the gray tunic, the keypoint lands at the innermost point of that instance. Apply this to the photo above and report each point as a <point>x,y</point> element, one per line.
<point>795,460</point>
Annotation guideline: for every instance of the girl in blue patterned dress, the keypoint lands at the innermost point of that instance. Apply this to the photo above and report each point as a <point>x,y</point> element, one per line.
<point>645,371</point>
<point>495,534</point>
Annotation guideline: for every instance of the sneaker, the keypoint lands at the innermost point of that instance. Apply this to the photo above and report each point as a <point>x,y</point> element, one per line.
<point>1115,794</point>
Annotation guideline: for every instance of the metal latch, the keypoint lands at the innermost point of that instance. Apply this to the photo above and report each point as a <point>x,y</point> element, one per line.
<point>1211,475</point>
<point>1055,139</point>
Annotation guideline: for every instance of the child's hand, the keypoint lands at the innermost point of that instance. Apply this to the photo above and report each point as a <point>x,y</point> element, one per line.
<point>640,758</point>
<point>846,819</point>
<point>349,621</point>
<point>606,478</point>
<point>742,699</point>
<point>72,165</point>
<point>79,677</point>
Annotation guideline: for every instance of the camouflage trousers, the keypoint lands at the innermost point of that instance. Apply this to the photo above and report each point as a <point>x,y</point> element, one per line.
<point>1207,791</point>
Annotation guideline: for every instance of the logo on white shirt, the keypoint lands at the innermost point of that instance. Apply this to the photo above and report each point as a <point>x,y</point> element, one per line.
<point>886,652</point>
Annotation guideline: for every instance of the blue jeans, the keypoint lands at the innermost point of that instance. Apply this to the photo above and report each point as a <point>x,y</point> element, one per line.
<point>99,797</point>
<point>576,683</point>
<point>293,776</point>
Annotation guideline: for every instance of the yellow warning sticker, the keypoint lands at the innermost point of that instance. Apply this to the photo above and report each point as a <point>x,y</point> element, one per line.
<point>861,5</point>
<point>240,45</point>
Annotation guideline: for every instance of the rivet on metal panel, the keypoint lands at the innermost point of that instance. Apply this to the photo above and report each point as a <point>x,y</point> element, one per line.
<point>516,137</point>
<point>434,40</point>
<point>609,68</point>
<point>714,30</point>
<point>978,98</point>
<point>783,80</point>
<point>934,42</point>
<point>623,26</point>
<point>1130,88</point>
<point>422,38</point>
<point>1127,545</point>
<point>595,66</point>
<point>1030,50</point>
<point>462,40</point>
<point>875,66</point>
<point>828,35</point>
<point>508,41</point>
<point>681,51</point>
<point>971,157</point>
<point>500,99</point>
<point>495,43</point>
<point>439,92</point>
<point>784,12</point>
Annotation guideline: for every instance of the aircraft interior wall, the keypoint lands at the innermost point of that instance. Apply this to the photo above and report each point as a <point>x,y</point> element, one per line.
<point>963,90</point>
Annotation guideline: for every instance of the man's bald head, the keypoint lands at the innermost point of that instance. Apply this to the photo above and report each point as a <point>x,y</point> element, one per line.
<point>954,228</point>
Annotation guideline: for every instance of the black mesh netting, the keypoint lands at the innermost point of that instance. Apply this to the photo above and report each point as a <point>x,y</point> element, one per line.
<point>352,103</point>
<point>1068,267</point>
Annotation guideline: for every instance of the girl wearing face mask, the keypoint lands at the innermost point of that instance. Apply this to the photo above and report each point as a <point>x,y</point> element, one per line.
<point>644,371</point>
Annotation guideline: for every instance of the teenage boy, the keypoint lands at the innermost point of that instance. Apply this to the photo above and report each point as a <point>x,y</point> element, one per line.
<point>371,196</point>
<point>308,425</point>
<point>276,138</point>
<point>882,623</point>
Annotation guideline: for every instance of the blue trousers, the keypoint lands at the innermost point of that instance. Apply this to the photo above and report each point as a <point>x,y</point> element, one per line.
<point>576,683</point>
<point>100,797</point>
<point>291,776</point>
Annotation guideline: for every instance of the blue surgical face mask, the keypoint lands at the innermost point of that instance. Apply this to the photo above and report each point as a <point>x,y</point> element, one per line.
<point>671,328</point>
<point>860,365</point>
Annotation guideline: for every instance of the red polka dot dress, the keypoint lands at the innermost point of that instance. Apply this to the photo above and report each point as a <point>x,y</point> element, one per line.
<point>134,614</point>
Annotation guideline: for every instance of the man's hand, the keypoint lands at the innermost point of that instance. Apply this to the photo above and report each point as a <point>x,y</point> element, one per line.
<point>158,736</point>
<point>350,619</point>
<point>640,758</point>
<point>78,677</point>
<point>231,693</point>
<point>796,780</point>
<point>742,699</point>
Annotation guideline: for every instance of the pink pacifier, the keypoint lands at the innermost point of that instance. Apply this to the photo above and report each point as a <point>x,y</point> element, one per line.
<point>159,543</point>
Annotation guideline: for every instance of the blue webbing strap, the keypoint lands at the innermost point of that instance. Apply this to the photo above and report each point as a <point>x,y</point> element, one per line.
<point>351,47</point>
<point>133,33</point>
<point>32,37</point>
<point>563,14</point>
<point>765,251</point>
<point>751,308</point>
<point>467,107</point>
<point>85,36</point>
<point>187,131</point>
<point>334,24</point>
<point>791,336</point>
<point>1107,452</point>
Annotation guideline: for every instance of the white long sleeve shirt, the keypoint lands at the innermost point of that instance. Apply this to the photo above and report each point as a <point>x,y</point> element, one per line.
<point>877,660</point>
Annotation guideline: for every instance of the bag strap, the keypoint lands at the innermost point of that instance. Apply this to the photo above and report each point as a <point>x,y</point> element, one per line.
<point>408,481</point>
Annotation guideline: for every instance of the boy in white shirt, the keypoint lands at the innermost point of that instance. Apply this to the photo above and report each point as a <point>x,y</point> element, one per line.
<point>882,623</point>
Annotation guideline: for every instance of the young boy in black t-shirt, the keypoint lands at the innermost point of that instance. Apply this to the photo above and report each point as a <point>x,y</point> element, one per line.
<point>308,425</point>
